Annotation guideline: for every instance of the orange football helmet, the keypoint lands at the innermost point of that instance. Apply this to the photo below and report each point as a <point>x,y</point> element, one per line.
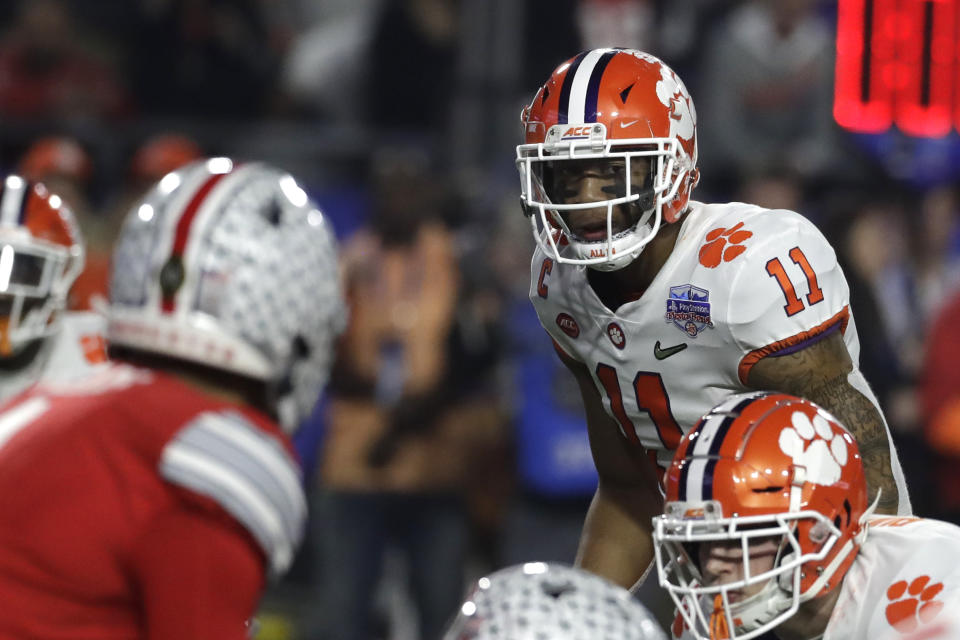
<point>41,254</point>
<point>761,465</point>
<point>612,106</point>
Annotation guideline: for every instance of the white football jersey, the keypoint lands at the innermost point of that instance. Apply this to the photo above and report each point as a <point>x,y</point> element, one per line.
<point>905,579</point>
<point>742,283</point>
<point>70,352</point>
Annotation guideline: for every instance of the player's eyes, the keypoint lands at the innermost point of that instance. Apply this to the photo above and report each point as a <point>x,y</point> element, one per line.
<point>575,169</point>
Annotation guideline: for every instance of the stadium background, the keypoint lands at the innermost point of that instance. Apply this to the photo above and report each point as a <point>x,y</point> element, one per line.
<point>359,97</point>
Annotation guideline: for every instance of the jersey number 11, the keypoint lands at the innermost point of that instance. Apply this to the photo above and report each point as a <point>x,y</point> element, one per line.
<point>794,304</point>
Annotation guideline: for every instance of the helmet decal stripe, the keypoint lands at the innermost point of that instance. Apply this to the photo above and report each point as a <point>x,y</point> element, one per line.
<point>697,459</point>
<point>581,82</point>
<point>682,483</point>
<point>593,87</point>
<point>718,442</point>
<point>190,212</point>
<point>13,201</point>
<point>706,450</point>
<point>184,224</point>
<point>566,87</point>
<point>685,469</point>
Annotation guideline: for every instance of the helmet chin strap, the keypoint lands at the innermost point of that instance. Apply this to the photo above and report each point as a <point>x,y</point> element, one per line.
<point>644,214</point>
<point>757,610</point>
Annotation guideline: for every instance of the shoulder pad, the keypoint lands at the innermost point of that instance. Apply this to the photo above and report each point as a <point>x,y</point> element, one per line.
<point>225,457</point>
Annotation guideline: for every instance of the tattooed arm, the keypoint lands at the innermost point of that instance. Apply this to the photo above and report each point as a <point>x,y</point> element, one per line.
<point>819,373</point>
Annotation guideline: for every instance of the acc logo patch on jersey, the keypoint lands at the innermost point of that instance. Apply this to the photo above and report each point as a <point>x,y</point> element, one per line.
<point>688,308</point>
<point>568,325</point>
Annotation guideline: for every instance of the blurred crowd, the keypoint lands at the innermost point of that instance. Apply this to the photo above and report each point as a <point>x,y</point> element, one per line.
<point>449,444</point>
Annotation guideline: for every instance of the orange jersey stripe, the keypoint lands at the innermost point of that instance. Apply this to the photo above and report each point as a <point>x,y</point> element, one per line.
<point>752,358</point>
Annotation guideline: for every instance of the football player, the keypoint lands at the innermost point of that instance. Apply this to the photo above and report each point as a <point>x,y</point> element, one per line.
<point>662,306</point>
<point>548,600</point>
<point>41,254</point>
<point>152,498</point>
<point>768,527</point>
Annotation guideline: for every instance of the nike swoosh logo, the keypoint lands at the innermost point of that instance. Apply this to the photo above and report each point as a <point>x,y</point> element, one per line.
<point>660,354</point>
<point>624,125</point>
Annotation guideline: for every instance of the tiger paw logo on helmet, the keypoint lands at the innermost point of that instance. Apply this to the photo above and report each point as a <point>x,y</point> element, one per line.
<point>913,604</point>
<point>814,445</point>
<point>723,245</point>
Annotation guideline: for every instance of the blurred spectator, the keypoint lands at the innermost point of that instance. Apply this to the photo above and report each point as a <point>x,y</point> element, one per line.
<point>327,64</point>
<point>48,71</point>
<point>159,155</point>
<point>554,472</point>
<point>773,189</point>
<point>937,252</point>
<point>202,57</point>
<point>940,402</point>
<point>616,23</point>
<point>766,89</point>
<point>413,61</point>
<point>680,32</point>
<point>550,32</point>
<point>66,168</point>
<point>62,163</point>
<point>872,252</point>
<point>402,433</point>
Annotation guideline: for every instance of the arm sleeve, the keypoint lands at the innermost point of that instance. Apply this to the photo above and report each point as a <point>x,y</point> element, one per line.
<point>199,575</point>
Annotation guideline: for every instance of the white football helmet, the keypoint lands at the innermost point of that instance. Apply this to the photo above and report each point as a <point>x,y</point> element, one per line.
<point>231,266</point>
<point>41,254</point>
<point>540,600</point>
<point>620,113</point>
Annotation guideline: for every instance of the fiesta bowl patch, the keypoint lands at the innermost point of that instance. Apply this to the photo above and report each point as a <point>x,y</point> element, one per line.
<point>568,325</point>
<point>688,308</point>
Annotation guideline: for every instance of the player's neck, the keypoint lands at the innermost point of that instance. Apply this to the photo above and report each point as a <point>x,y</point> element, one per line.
<point>623,285</point>
<point>810,620</point>
<point>209,387</point>
<point>222,385</point>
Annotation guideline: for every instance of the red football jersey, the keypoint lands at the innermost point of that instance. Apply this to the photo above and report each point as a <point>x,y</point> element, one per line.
<point>134,506</point>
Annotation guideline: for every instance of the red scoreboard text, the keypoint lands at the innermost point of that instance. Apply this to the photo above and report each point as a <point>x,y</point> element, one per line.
<point>897,63</point>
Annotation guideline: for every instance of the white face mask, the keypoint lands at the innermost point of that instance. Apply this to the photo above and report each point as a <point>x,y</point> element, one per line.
<point>709,609</point>
<point>595,201</point>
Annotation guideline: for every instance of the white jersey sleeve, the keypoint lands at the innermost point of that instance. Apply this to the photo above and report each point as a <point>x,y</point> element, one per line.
<point>905,578</point>
<point>788,291</point>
